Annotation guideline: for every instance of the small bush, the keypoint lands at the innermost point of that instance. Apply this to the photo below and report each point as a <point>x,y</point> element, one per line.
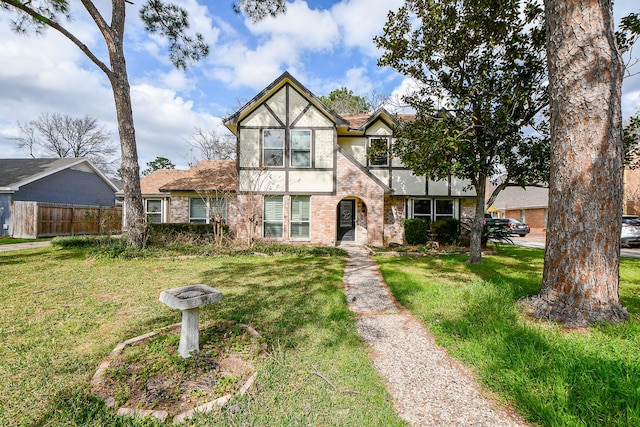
<point>446,230</point>
<point>169,229</point>
<point>416,231</point>
<point>82,241</point>
<point>289,249</point>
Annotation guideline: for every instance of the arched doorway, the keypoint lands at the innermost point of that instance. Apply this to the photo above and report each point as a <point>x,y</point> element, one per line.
<point>346,220</point>
<point>352,220</point>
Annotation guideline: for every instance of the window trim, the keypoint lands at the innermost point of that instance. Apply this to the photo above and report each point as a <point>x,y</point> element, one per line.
<point>437,216</point>
<point>160,212</point>
<point>272,148</point>
<point>306,221</point>
<point>372,162</point>
<point>433,215</point>
<point>276,221</point>
<point>292,150</point>
<point>207,209</point>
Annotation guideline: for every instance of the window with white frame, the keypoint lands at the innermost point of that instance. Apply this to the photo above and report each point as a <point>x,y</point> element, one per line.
<point>153,210</point>
<point>433,209</point>
<point>378,151</point>
<point>272,218</point>
<point>300,217</point>
<point>444,209</point>
<point>301,148</point>
<point>204,210</point>
<point>422,209</point>
<point>273,147</point>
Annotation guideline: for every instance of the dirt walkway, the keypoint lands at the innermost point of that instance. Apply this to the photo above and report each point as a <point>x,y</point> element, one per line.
<point>429,388</point>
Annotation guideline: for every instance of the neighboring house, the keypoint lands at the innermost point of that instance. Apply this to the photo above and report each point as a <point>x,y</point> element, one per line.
<point>631,192</point>
<point>74,181</point>
<point>529,204</point>
<point>308,171</point>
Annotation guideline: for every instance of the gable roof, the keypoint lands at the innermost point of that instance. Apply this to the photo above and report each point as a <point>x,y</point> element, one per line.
<point>232,121</point>
<point>150,184</point>
<point>522,198</point>
<point>206,175</point>
<point>15,173</point>
<point>363,121</point>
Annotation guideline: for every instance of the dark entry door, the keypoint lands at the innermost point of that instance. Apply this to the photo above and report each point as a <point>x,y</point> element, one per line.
<point>347,220</point>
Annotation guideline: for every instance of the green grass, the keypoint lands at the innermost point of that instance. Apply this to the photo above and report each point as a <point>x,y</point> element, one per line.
<point>553,376</point>
<point>63,312</point>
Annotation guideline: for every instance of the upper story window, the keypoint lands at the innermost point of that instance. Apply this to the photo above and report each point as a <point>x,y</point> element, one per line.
<point>378,151</point>
<point>153,210</point>
<point>301,148</point>
<point>273,147</point>
<point>206,210</point>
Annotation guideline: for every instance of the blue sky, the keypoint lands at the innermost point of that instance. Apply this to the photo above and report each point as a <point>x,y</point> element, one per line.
<point>324,44</point>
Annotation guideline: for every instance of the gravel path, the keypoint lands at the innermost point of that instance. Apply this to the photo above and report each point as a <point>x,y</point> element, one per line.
<point>428,387</point>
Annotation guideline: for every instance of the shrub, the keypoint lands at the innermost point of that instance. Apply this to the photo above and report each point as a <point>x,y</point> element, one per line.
<point>168,229</point>
<point>82,241</point>
<point>416,231</point>
<point>445,230</point>
<point>495,234</point>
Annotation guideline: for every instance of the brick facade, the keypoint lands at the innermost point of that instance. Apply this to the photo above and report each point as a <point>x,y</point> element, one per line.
<point>179,209</point>
<point>536,218</point>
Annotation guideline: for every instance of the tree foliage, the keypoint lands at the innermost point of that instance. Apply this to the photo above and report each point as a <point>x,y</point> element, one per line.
<point>158,163</point>
<point>481,70</point>
<point>61,135</point>
<point>626,38</point>
<point>631,140</point>
<point>343,101</point>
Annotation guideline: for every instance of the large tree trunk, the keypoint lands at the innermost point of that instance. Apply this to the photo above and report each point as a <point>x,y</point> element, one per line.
<point>135,223</point>
<point>581,268</point>
<point>475,247</point>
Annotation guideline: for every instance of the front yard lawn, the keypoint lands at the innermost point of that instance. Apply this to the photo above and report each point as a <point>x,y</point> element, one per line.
<point>554,376</point>
<point>64,311</point>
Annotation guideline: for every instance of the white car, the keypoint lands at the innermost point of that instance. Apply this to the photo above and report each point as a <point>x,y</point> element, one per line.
<point>630,230</point>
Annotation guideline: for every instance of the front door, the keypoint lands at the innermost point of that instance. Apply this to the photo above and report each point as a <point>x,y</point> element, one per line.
<point>347,220</point>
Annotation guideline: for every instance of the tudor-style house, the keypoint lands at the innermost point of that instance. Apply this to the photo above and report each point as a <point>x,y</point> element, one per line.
<point>309,169</point>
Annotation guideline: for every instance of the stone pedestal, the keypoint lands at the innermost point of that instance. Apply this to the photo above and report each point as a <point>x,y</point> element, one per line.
<point>189,299</point>
<point>189,333</point>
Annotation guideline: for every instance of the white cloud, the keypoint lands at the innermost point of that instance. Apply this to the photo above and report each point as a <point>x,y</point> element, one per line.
<point>395,104</point>
<point>361,20</point>
<point>308,29</point>
<point>164,121</point>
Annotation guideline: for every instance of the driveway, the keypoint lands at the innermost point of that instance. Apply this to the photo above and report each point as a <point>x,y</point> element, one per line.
<point>538,241</point>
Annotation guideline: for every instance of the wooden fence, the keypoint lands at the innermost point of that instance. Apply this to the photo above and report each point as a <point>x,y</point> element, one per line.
<point>31,220</point>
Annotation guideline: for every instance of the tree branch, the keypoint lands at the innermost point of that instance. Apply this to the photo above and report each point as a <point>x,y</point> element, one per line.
<point>24,7</point>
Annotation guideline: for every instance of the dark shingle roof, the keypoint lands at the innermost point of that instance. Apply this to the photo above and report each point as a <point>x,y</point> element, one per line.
<point>16,172</point>
<point>522,198</point>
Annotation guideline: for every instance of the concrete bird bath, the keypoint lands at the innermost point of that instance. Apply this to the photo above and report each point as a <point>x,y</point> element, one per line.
<point>189,299</point>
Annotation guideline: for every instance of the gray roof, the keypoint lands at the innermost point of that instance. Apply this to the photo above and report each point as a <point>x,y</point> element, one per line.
<point>17,172</point>
<point>522,198</point>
